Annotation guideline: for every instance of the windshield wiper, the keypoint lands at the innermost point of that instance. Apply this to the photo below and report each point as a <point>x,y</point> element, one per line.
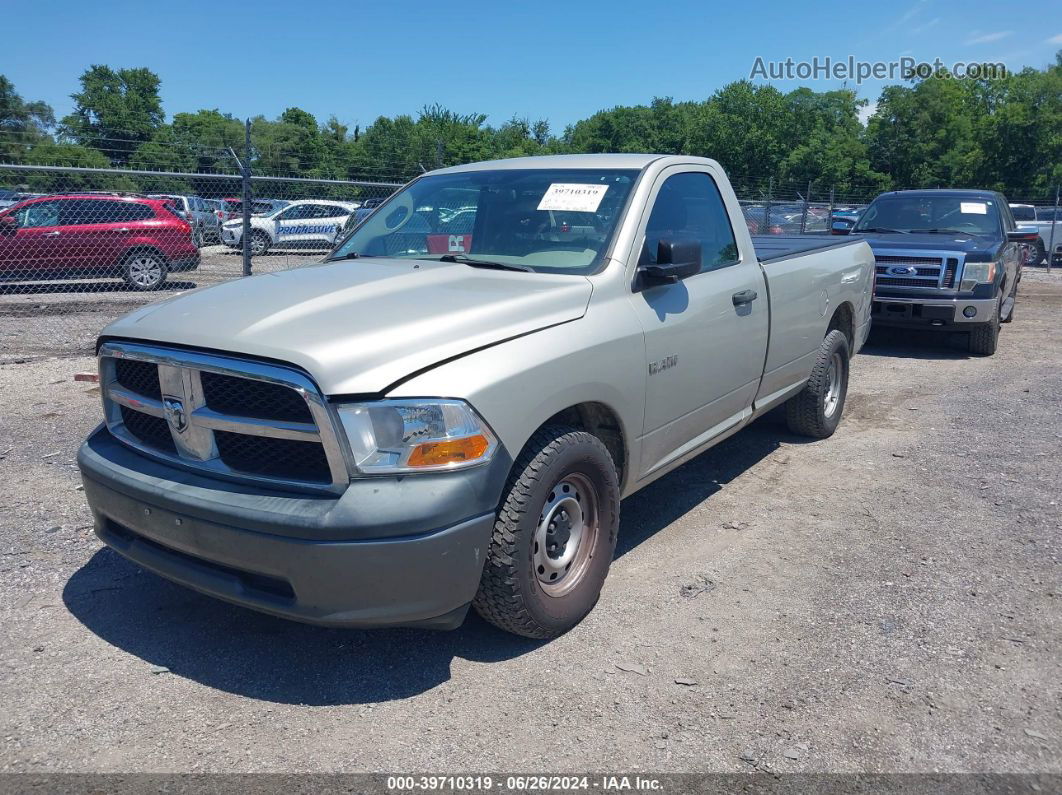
<point>945,232</point>
<point>483,263</point>
<point>884,229</point>
<point>348,255</point>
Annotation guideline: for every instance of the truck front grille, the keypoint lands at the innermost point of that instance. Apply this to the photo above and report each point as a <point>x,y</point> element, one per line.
<point>230,395</point>
<point>139,377</point>
<point>227,416</point>
<point>151,431</point>
<point>905,270</point>
<point>274,458</point>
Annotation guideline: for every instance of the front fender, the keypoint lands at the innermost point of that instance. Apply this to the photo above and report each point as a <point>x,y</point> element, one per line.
<point>518,385</point>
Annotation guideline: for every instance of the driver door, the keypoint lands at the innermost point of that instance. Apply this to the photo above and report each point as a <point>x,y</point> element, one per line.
<point>705,348</point>
<point>35,247</point>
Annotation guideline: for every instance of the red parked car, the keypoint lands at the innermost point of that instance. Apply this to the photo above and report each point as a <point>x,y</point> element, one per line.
<point>80,235</point>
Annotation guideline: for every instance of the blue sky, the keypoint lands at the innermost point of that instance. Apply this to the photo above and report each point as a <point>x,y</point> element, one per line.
<point>554,60</point>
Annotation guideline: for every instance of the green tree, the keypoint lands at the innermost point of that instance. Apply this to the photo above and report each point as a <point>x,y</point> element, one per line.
<point>22,124</point>
<point>49,153</point>
<point>115,111</point>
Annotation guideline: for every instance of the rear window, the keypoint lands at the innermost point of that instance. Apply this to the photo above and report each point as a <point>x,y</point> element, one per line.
<point>1023,213</point>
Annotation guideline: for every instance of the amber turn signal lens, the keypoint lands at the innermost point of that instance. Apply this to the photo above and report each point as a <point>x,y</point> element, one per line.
<point>452,451</point>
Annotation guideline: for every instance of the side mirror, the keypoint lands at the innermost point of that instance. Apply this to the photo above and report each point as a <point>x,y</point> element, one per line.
<point>840,228</point>
<point>1023,234</point>
<point>675,260</point>
<point>8,225</point>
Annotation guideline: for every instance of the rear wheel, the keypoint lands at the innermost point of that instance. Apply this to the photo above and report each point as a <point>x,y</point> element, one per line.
<point>554,536</point>
<point>816,410</point>
<point>1035,252</point>
<point>144,270</point>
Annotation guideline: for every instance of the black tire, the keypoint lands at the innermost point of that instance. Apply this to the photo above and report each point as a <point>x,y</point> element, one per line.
<point>262,240</point>
<point>816,410</point>
<point>513,592</point>
<point>984,337</point>
<point>144,270</point>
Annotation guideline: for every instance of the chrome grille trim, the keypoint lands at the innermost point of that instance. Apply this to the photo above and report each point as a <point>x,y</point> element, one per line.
<point>179,376</point>
<point>932,269</point>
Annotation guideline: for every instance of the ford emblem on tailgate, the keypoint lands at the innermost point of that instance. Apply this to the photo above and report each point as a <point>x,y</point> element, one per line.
<point>901,270</point>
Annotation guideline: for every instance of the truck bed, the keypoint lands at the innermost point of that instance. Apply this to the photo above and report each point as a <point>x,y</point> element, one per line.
<point>773,248</point>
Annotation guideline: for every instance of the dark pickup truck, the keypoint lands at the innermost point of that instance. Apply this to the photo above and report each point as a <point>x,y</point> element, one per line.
<point>948,259</point>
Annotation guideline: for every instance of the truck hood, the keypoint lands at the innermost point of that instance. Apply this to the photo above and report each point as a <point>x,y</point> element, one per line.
<point>359,326</point>
<point>957,243</point>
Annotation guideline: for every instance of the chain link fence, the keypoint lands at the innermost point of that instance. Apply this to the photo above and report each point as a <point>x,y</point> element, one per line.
<point>86,245</point>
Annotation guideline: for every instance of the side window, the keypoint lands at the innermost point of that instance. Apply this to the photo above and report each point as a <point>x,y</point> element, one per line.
<point>1008,217</point>
<point>296,213</point>
<point>77,212</point>
<point>131,211</point>
<point>38,214</point>
<point>689,207</point>
<point>94,211</point>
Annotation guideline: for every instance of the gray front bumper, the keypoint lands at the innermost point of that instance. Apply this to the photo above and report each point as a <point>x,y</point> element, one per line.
<point>308,558</point>
<point>928,311</point>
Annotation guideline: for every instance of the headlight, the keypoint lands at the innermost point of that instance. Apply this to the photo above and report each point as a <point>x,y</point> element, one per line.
<point>423,435</point>
<point>975,273</point>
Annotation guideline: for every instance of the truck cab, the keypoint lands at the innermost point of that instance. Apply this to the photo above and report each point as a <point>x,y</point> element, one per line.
<point>945,259</point>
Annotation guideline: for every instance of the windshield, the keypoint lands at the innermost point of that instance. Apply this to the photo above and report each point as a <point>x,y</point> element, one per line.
<point>552,221</point>
<point>923,213</point>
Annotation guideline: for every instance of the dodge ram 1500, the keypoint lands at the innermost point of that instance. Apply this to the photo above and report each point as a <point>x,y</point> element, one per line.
<point>448,410</point>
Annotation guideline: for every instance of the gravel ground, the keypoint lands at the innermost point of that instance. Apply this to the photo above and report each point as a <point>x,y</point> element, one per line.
<point>885,600</point>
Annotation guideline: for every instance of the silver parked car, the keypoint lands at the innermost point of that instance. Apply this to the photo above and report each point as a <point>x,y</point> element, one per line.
<point>206,226</point>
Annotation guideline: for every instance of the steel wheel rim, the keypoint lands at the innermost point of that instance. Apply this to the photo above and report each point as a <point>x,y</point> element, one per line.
<point>833,385</point>
<point>257,245</point>
<point>145,271</point>
<point>566,535</point>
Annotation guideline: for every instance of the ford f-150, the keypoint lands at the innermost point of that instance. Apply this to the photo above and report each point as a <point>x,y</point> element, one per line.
<point>948,259</point>
<point>448,410</point>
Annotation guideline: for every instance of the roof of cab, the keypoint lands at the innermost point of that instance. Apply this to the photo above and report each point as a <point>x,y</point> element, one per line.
<point>968,192</point>
<point>619,161</point>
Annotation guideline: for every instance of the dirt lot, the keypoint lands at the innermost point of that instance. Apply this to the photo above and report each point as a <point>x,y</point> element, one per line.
<point>885,600</point>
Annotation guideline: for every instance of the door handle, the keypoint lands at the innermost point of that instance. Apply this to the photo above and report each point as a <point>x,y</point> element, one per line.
<point>744,297</point>
<point>50,234</point>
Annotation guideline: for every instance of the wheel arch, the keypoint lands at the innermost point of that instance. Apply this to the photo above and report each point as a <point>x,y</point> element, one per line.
<point>843,320</point>
<point>144,248</point>
<point>600,420</point>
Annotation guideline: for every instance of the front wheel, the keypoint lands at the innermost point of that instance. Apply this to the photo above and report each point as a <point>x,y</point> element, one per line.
<point>984,338</point>
<point>816,410</point>
<point>259,243</point>
<point>144,271</point>
<point>554,536</point>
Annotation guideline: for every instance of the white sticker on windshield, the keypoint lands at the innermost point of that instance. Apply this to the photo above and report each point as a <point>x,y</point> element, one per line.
<point>975,208</point>
<point>573,197</point>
